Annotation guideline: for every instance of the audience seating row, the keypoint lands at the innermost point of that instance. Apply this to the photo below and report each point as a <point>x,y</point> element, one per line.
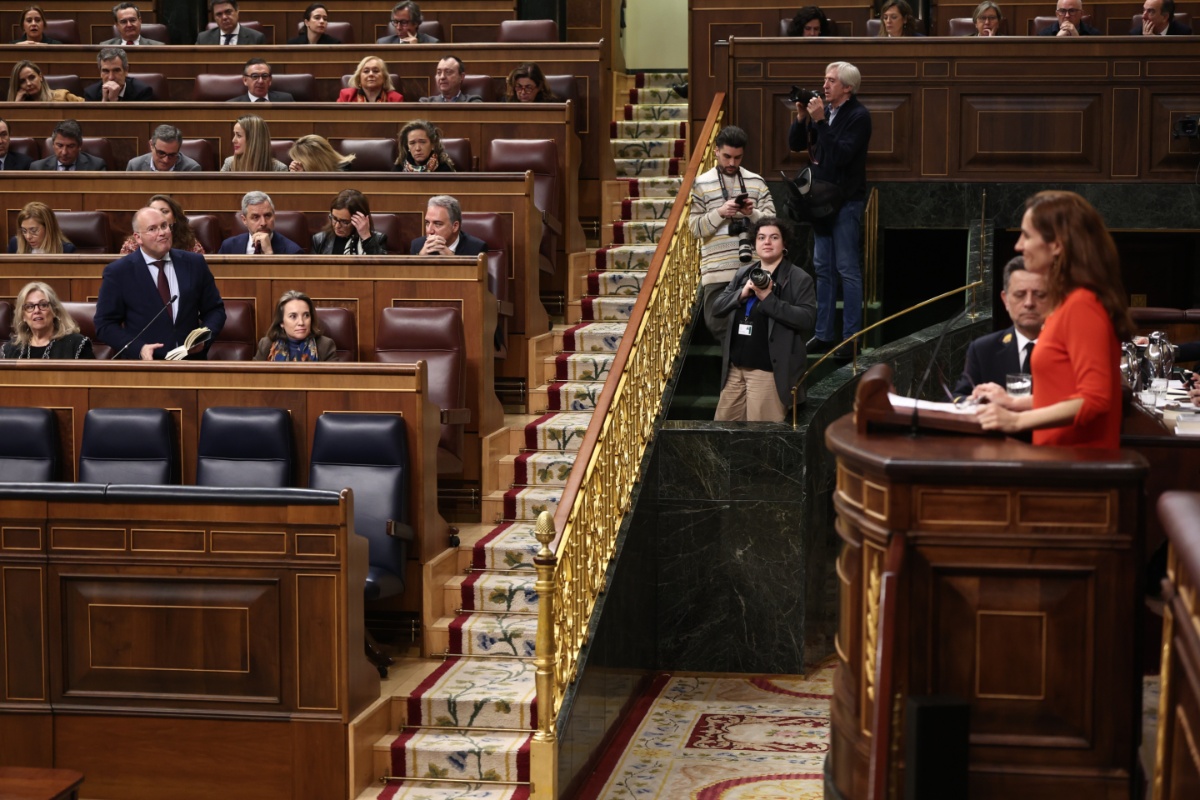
<point>965,26</point>
<point>508,31</point>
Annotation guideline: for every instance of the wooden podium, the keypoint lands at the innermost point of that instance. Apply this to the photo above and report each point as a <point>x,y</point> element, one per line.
<point>1000,573</point>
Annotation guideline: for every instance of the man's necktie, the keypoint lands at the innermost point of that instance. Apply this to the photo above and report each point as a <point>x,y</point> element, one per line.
<point>1025,367</point>
<point>164,288</point>
<point>63,167</point>
<point>130,43</point>
<point>228,36</point>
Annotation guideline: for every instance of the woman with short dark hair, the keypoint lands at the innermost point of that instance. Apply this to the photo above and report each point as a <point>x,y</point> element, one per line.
<point>527,84</point>
<point>33,23</point>
<point>896,20</point>
<point>421,149</point>
<point>810,21</point>
<point>316,19</point>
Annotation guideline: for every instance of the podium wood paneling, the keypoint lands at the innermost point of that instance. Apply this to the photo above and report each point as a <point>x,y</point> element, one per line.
<point>969,109</point>
<point>170,644</point>
<point>365,287</point>
<point>1019,594</point>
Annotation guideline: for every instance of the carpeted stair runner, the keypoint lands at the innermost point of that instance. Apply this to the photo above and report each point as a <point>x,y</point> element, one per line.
<point>472,718</point>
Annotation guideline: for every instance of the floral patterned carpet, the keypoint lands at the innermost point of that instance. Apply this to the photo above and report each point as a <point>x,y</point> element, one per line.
<point>725,738</point>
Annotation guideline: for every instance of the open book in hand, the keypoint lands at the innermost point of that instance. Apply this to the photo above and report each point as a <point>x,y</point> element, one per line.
<point>196,338</point>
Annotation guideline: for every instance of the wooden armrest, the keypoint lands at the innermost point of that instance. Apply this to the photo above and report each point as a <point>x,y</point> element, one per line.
<point>551,222</point>
<point>456,416</point>
<point>399,530</point>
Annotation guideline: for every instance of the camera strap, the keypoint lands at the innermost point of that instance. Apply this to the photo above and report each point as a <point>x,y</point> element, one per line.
<point>724,189</point>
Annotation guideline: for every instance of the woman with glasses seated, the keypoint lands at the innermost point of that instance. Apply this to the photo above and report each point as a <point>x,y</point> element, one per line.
<point>421,149</point>
<point>182,237</point>
<point>527,84</point>
<point>38,232</point>
<point>897,19</point>
<point>987,18</point>
<point>44,329</point>
<point>349,231</point>
<point>370,83</point>
<point>313,153</point>
<point>295,333</point>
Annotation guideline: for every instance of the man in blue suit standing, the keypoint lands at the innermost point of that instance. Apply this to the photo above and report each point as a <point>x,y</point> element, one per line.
<point>258,215</point>
<point>166,292</point>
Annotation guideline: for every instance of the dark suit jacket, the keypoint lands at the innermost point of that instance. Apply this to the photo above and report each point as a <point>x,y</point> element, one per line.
<point>302,38</point>
<point>272,97</point>
<point>236,246</point>
<point>841,148</point>
<point>468,245</point>
<point>12,246</point>
<point>989,360</point>
<point>245,36</point>
<point>422,38</point>
<point>375,245</point>
<point>15,160</point>
<point>129,299</point>
<point>1083,28</point>
<point>86,162</point>
<point>1174,28</point>
<point>142,164</point>
<point>134,90</point>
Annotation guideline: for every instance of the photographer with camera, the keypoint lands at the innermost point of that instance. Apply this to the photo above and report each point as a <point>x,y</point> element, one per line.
<point>726,200</point>
<point>773,306</point>
<point>836,131</point>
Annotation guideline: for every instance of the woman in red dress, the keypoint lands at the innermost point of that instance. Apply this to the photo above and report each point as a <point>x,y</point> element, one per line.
<point>1076,399</point>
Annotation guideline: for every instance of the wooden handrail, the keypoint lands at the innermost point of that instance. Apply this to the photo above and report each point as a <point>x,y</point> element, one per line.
<point>881,721</point>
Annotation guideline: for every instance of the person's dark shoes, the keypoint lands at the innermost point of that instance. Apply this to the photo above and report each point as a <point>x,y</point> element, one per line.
<point>680,89</point>
<point>817,346</point>
<point>844,354</point>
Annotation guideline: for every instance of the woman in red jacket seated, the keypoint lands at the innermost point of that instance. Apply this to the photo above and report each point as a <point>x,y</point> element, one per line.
<point>1076,400</point>
<point>370,83</point>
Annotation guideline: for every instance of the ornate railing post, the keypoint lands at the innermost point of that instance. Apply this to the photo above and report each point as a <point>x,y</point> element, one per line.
<point>544,748</point>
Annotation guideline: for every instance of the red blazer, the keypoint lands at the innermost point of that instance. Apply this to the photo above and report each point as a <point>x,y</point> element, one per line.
<point>352,95</point>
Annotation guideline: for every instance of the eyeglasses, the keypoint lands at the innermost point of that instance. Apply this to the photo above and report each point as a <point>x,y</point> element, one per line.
<point>31,231</point>
<point>339,220</point>
<point>399,22</point>
<point>165,156</point>
<point>259,76</point>
<point>1068,12</point>
<point>522,88</point>
<point>31,307</point>
<point>989,18</point>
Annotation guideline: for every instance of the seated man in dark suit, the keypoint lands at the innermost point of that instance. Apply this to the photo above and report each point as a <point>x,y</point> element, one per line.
<point>406,18</point>
<point>1070,21</point>
<point>229,30</point>
<point>166,292</point>
<point>115,84</point>
<point>444,235</point>
<point>449,79</point>
<point>991,358</point>
<point>10,159</point>
<point>67,140</point>
<point>128,18</point>
<point>258,215</point>
<point>164,155</point>
<point>256,75</point>
<point>1158,19</point>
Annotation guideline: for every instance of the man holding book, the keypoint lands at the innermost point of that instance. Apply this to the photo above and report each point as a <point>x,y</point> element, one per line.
<point>153,298</point>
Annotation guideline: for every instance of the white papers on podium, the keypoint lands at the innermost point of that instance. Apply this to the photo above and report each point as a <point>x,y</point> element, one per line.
<point>899,402</point>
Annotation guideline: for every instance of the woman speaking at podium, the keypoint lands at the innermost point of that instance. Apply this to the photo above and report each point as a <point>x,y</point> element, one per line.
<point>1076,400</point>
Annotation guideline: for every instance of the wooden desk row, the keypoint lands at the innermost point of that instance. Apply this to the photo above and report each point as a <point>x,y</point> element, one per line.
<point>365,287</point>
<point>509,195</point>
<point>968,109</point>
<point>588,62</point>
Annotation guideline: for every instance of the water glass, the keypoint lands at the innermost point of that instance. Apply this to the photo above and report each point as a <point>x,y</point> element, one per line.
<point>1019,384</point>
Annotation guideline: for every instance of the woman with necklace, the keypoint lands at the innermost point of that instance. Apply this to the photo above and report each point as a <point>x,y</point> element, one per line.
<point>421,149</point>
<point>44,329</point>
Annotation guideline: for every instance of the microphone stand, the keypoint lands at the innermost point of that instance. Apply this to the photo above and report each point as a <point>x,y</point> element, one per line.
<point>166,305</point>
<point>937,348</point>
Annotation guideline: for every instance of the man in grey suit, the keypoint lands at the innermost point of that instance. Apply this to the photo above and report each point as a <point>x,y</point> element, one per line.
<point>256,76</point>
<point>228,30</point>
<point>449,80</point>
<point>129,22</point>
<point>164,155</point>
<point>406,18</point>
<point>67,141</point>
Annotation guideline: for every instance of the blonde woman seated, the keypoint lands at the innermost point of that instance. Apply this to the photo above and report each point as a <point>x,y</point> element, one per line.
<point>182,237</point>
<point>421,149</point>
<point>252,147</point>
<point>38,232</point>
<point>295,333</point>
<point>44,329</point>
<point>27,83</point>
<point>313,153</point>
<point>370,83</point>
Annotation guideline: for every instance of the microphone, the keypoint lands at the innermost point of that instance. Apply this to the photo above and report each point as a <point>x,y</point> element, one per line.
<point>937,347</point>
<point>166,305</point>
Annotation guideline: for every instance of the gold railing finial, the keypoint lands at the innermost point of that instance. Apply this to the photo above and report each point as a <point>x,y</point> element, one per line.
<point>544,532</point>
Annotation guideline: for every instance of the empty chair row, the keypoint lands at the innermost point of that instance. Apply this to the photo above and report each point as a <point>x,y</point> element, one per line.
<point>512,31</point>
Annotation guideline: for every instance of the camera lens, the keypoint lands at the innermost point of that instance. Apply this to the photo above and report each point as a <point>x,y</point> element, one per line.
<point>760,278</point>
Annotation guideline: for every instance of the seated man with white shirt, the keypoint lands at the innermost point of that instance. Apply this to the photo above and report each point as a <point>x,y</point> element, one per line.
<point>228,31</point>
<point>258,215</point>
<point>128,18</point>
<point>256,76</point>
<point>444,235</point>
<point>991,358</point>
<point>115,85</point>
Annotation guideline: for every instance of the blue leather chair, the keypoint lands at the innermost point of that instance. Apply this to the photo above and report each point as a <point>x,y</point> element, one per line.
<point>250,447</point>
<point>28,445</point>
<point>129,445</point>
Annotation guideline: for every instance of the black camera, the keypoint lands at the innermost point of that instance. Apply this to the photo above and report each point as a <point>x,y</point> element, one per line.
<point>1186,128</point>
<point>739,228</point>
<point>799,95</point>
<point>760,278</point>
